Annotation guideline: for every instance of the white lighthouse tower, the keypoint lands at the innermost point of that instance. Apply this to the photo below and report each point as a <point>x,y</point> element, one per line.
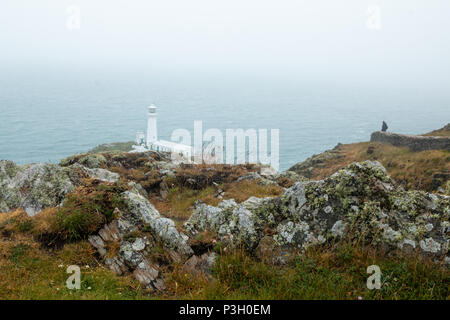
<point>152,130</point>
<point>180,152</point>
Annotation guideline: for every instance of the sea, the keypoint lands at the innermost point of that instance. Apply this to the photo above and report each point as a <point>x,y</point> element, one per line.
<point>47,115</point>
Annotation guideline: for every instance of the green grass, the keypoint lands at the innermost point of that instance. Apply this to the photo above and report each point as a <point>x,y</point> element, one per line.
<point>319,274</point>
<point>30,273</point>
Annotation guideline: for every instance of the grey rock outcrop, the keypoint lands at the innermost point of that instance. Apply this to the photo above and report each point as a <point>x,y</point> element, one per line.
<point>133,253</point>
<point>32,187</point>
<point>358,202</point>
<point>141,211</point>
<point>38,186</point>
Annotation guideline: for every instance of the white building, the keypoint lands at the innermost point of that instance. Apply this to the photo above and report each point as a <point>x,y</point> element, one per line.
<point>152,143</point>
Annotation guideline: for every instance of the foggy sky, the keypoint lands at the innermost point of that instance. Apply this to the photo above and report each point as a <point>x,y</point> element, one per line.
<point>314,38</point>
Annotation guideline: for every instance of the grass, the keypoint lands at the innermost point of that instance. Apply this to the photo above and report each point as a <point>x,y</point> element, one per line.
<point>319,274</point>
<point>30,272</point>
<point>414,170</point>
<point>84,212</point>
<point>32,267</point>
<point>443,132</point>
<point>180,201</point>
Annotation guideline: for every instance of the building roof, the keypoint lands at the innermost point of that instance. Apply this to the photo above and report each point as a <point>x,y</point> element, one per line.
<point>172,145</point>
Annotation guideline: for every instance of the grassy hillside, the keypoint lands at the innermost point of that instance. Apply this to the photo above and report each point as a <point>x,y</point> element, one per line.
<point>426,170</point>
<point>29,270</point>
<point>35,251</point>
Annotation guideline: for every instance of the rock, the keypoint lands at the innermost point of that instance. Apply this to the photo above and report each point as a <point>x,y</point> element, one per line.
<point>370,150</point>
<point>38,186</point>
<point>141,211</point>
<point>269,251</point>
<point>133,254</point>
<point>414,143</point>
<point>97,173</point>
<point>138,189</point>
<point>163,189</point>
<point>89,160</point>
<point>441,179</point>
<point>359,202</point>
<point>200,265</point>
<point>129,256</point>
<point>238,223</point>
<point>32,187</point>
<point>149,275</point>
<point>252,176</point>
<point>268,172</point>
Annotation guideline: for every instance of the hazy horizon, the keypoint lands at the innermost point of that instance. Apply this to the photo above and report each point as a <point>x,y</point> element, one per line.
<point>319,41</point>
<point>321,71</point>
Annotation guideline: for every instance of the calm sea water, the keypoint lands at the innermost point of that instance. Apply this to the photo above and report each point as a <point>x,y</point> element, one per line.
<point>48,115</point>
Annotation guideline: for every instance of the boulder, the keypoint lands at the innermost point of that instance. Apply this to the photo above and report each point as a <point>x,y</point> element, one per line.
<point>201,265</point>
<point>32,187</point>
<point>141,212</point>
<point>38,186</point>
<point>133,254</point>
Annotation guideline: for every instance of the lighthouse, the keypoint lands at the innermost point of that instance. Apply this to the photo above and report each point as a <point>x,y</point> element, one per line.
<point>152,132</point>
<point>180,152</point>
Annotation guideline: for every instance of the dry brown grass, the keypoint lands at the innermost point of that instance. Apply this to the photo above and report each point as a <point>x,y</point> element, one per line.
<point>443,132</point>
<point>180,202</point>
<point>414,170</point>
<point>242,190</point>
<point>203,175</point>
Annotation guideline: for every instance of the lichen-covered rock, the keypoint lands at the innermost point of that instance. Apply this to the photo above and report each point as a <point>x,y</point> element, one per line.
<point>138,229</point>
<point>130,256</point>
<point>239,223</point>
<point>96,173</point>
<point>38,186</point>
<point>88,160</point>
<point>32,187</point>
<point>359,202</point>
<point>141,212</point>
<point>138,189</point>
